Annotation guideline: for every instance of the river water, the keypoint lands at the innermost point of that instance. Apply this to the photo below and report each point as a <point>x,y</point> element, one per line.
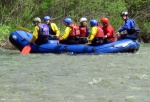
<point>119,77</point>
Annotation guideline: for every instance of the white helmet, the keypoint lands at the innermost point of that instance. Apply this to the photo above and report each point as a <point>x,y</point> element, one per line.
<point>124,13</point>
<point>37,19</point>
<point>83,19</point>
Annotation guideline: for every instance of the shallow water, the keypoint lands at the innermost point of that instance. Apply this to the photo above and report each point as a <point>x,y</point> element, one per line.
<point>121,77</point>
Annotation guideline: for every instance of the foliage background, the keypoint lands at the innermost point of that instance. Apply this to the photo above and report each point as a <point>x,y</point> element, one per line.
<point>14,13</point>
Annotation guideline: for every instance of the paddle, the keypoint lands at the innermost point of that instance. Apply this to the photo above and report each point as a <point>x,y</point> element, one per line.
<point>26,50</point>
<point>53,37</point>
<point>24,29</point>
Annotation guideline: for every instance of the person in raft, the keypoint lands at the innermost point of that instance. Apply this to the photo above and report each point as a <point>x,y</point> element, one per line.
<point>97,35</point>
<point>108,30</point>
<point>84,30</point>
<point>53,29</point>
<point>71,34</point>
<point>130,27</point>
<point>40,33</point>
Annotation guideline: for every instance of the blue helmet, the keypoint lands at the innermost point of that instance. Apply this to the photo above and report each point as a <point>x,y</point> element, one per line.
<point>47,18</point>
<point>68,20</point>
<point>93,22</point>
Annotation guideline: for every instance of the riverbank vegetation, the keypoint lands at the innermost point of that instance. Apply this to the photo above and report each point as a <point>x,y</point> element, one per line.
<point>16,13</point>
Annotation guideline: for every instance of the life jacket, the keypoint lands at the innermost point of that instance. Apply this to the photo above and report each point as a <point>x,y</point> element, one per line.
<point>134,28</point>
<point>100,33</point>
<point>83,31</point>
<point>75,30</point>
<point>109,31</point>
<point>43,30</point>
<point>43,33</point>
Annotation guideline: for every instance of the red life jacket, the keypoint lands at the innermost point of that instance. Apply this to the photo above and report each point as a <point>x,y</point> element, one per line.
<point>109,31</point>
<point>82,31</point>
<point>100,33</point>
<point>75,30</point>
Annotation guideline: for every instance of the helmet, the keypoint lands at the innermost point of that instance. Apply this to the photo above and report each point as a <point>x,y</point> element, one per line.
<point>105,20</point>
<point>47,18</point>
<point>37,19</point>
<point>83,19</point>
<point>93,22</point>
<point>124,13</point>
<point>68,20</point>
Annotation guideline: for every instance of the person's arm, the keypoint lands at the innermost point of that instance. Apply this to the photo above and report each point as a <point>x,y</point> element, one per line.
<point>55,29</point>
<point>127,26</point>
<point>66,33</point>
<point>35,34</point>
<point>93,33</point>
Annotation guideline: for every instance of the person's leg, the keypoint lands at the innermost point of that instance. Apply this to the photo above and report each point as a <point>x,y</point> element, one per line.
<point>109,41</point>
<point>71,41</point>
<point>97,41</point>
<point>39,41</point>
<point>105,41</point>
<point>129,36</point>
<point>83,40</point>
<point>63,41</point>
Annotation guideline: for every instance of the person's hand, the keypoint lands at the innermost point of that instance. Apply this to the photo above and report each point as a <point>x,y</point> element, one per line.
<point>88,43</point>
<point>117,34</point>
<point>57,36</point>
<point>105,36</point>
<point>61,38</point>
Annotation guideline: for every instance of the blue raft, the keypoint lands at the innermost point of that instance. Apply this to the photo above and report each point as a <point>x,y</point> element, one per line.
<point>20,39</point>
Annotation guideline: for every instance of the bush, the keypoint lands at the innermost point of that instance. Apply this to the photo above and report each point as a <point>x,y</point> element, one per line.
<point>16,13</point>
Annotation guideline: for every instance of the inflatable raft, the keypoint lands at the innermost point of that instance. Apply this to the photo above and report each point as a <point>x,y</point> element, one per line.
<point>20,39</point>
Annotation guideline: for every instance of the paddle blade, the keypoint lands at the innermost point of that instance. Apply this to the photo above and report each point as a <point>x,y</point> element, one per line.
<point>26,50</point>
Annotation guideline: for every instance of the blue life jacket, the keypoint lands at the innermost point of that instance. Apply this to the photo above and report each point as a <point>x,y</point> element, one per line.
<point>136,28</point>
<point>44,30</point>
<point>43,34</point>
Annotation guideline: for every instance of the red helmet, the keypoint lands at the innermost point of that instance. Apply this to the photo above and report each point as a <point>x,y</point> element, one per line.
<point>105,20</point>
